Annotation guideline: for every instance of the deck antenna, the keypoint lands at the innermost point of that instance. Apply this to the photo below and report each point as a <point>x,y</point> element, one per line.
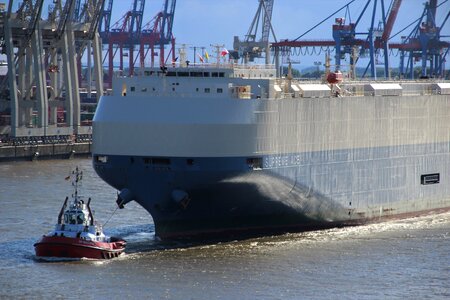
<point>182,53</point>
<point>218,47</point>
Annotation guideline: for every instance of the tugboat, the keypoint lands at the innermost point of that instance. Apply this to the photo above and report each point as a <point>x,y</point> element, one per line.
<point>76,235</point>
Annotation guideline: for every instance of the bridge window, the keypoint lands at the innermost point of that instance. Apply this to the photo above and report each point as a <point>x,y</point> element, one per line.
<point>196,74</point>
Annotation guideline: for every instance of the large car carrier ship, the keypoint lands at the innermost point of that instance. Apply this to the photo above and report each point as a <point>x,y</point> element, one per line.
<point>233,149</point>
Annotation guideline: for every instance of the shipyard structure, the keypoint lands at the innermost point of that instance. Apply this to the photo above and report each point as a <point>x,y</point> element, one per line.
<point>53,76</point>
<point>40,106</point>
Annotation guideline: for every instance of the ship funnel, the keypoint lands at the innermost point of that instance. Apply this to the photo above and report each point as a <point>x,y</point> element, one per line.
<point>124,197</point>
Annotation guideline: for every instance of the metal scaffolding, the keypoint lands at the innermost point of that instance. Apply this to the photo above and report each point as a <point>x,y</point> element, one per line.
<point>42,87</point>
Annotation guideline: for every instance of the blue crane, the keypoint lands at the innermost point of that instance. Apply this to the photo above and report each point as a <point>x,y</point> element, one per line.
<point>424,43</point>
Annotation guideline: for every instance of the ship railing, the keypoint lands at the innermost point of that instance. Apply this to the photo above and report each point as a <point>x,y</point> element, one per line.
<point>359,88</point>
<point>230,66</point>
<point>255,67</point>
<point>201,65</point>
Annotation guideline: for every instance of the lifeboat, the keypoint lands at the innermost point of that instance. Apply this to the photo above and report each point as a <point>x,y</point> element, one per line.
<point>77,235</point>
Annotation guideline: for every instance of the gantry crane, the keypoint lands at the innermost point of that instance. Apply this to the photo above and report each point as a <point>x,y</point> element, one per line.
<point>26,77</point>
<point>123,34</point>
<point>345,40</point>
<point>42,68</point>
<point>129,32</point>
<point>424,44</point>
<point>158,32</point>
<point>90,43</point>
<point>252,47</point>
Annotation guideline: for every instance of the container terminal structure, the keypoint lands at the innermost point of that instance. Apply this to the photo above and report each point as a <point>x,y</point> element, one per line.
<point>40,100</point>
<point>47,100</point>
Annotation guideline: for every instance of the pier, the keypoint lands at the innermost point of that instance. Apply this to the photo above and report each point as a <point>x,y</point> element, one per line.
<point>34,148</point>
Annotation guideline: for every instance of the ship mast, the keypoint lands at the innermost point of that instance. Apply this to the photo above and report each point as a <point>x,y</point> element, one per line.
<point>76,182</point>
<point>218,51</point>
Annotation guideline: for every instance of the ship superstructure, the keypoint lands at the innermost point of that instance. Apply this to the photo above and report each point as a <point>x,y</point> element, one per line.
<point>232,149</point>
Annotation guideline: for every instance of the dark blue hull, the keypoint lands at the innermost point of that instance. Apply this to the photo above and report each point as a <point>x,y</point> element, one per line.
<point>190,197</point>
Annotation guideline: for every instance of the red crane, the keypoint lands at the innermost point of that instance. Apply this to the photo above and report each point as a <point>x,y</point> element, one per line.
<point>424,44</point>
<point>129,33</point>
<point>158,32</point>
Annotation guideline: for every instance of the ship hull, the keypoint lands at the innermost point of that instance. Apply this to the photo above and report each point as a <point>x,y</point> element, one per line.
<point>225,197</point>
<point>223,166</point>
<point>67,247</point>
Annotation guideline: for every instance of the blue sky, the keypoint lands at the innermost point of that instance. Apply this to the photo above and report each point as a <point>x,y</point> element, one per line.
<point>204,22</point>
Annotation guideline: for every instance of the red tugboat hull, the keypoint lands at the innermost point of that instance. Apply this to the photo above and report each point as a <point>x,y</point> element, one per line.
<point>67,247</point>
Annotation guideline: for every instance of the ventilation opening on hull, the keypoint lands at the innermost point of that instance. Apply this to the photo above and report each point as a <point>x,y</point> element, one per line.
<point>255,162</point>
<point>157,161</point>
<point>429,179</point>
<point>101,158</point>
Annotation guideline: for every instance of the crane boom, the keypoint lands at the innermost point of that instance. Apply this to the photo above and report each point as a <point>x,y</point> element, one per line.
<point>268,6</point>
<point>136,17</point>
<point>105,19</point>
<point>251,47</point>
<point>391,20</point>
<point>167,21</point>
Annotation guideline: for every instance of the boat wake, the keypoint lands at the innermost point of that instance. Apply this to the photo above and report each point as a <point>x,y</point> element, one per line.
<point>404,228</point>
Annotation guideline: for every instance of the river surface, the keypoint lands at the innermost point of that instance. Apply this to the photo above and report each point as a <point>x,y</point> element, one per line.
<point>402,259</point>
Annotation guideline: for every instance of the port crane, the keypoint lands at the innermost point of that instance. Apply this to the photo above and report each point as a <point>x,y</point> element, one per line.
<point>26,77</point>
<point>129,32</point>
<point>345,37</point>
<point>424,44</point>
<point>252,47</point>
<point>42,82</point>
